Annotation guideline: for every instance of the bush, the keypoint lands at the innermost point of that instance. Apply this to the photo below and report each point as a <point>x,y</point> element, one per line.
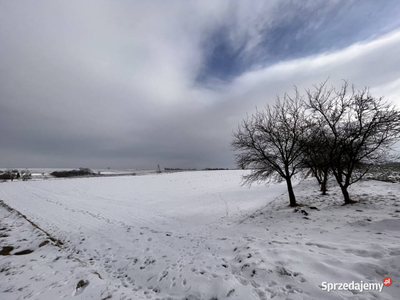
<point>8,174</point>
<point>5,176</point>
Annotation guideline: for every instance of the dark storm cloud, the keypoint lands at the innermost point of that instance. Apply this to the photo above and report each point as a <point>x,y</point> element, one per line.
<point>136,84</point>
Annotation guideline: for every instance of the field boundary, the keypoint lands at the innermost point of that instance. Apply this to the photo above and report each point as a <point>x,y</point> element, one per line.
<point>56,242</point>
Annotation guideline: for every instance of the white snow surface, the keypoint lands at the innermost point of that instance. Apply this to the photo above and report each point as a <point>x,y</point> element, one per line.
<point>196,235</point>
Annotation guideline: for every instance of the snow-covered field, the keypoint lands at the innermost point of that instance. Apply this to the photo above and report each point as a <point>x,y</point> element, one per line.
<point>195,235</point>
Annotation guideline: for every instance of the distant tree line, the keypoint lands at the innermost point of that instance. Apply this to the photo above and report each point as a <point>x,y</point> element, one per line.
<point>73,173</point>
<point>205,169</point>
<point>178,169</point>
<point>339,132</point>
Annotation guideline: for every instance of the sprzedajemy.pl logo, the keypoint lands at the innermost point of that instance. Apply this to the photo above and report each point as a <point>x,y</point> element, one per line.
<point>356,286</point>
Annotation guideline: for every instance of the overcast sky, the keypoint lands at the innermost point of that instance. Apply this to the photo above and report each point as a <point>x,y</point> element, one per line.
<point>133,84</point>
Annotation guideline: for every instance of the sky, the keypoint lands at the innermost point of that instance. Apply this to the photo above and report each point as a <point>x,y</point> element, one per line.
<point>134,84</point>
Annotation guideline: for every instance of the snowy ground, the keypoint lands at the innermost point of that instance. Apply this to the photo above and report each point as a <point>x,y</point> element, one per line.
<point>195,235</point>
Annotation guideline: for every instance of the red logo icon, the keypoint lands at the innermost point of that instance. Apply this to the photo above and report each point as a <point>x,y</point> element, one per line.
<point>387,281</point>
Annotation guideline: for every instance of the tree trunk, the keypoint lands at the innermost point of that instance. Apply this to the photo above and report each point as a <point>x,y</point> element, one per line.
<point>292,197</point>
<point>324,183</point>
<point>346,195</point>
<point>323,188</point>
<point>343,187</point>
<point>317,176</point>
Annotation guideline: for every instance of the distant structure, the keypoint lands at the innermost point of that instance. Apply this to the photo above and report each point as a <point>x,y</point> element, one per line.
<point>158,169</point>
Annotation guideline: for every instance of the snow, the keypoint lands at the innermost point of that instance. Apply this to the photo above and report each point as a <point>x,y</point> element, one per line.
<point>195,235</point>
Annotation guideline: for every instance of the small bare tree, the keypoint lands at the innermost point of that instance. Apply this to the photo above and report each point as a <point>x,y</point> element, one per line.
<point>270,142</point>
<point>26,175</point>
<point>316,155</point>
<point>357,129</point>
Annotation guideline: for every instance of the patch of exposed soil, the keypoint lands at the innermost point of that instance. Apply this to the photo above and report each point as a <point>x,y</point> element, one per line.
<point>6,250</point>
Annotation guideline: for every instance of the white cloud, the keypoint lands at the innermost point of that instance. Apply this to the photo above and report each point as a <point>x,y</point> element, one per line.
<point>373,63</point>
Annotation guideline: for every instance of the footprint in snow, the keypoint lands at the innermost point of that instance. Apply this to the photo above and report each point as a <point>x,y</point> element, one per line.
<point>80,287</point>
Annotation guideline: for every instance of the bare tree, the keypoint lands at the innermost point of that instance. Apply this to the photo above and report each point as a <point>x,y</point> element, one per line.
<point>316,156</point>
<point>357,129</point>
<point>270,142</point>
<point>26,175</point>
